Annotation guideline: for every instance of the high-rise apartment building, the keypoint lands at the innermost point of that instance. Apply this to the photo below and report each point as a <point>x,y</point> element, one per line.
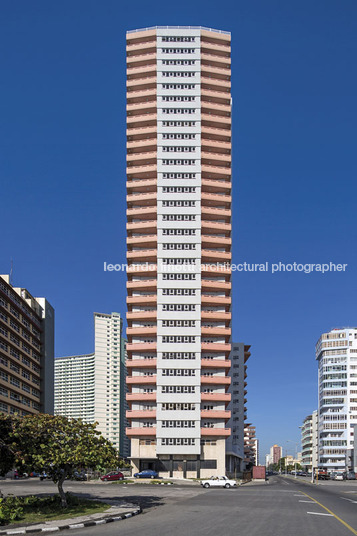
<point>178,248</point>
<point>309,441</point>
<point>26,351</point>
<point>276,453</point>
<point>235,442</point>
<point>75,387</point>
<point>336,353</point>
<point>251,446</point>
<point>92,387</point>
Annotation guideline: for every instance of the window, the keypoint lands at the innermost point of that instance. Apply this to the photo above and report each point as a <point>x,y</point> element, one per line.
<point>178,62</point>
<point>178,217</point>
<point>178,339</point>
<point>179,232</point>
<point>178,307</point>
<point>178,424</point>
<point>178,389</point>
<point>178,355</point>
<point>179,246</point>
<point>179,292</point>
<point>178,149</point>
<point>178,39</point>
<point>178,123</point>
<point>179,162</point>
<point>182,441</point>
<point>179,189</point>
<point>178,203</point>
<point>178,372</point>
<point>178,86</point>
<point>179,323</point>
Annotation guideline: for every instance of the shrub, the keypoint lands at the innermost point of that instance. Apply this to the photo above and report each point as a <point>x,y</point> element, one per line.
<point>10,509</point>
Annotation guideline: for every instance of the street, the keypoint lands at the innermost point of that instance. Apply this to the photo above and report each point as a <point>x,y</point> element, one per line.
<point>283,507</point>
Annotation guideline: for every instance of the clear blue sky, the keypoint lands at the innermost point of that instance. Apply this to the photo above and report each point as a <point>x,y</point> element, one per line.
<point>62,168</point>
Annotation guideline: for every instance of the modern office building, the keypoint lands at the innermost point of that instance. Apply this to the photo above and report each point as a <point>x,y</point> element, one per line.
<point>235,442</point>
<point>92,386</point>
<point>26,351</point>
<point>336,353</point>
<point>309,441</point>
<point>178,248</point>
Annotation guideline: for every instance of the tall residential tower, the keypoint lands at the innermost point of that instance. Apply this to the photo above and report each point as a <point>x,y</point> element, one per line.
<point>336,352</point>
<point>92,386</point>
<point>178,248</point>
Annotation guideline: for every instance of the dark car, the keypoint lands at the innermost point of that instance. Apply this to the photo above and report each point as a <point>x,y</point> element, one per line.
<point>147,473</point>
<point>113,475</point>
<point>351,475</point>
<point>79,476</point>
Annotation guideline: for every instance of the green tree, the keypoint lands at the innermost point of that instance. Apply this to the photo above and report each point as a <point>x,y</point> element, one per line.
<point>7,458</point>
<point>60,446</point>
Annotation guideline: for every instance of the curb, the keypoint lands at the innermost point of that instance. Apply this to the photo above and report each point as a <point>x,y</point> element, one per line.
<point>84,524</point>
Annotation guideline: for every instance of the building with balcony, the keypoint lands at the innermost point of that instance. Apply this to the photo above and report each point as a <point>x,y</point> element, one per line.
<point>275,454</point>
<point>309,441</point>
<point>251,446</point>
<point>92,386</point>
<point>336,353</point>
<point>178,249</point>
<point>237,408</point>
<point>26,351</point>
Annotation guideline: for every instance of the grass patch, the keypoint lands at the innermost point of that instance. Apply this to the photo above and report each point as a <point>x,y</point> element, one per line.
<point>41,509</point>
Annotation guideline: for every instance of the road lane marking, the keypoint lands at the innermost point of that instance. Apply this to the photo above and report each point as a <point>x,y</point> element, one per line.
<point>320,514</point>
<point>347,499</point>
<point>331,513</point>
<point>307,502</point>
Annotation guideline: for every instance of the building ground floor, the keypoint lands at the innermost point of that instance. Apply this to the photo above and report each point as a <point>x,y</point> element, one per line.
<point>210,461</point>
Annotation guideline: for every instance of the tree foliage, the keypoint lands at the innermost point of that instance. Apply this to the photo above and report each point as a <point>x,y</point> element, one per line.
<point>7,458</point>
<point>59,446</point>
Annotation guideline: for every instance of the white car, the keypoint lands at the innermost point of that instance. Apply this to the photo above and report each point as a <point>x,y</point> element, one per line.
<point>219,481</point>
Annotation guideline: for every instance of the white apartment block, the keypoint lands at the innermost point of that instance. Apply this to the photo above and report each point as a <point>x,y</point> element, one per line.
<point>309,441</point>
<point>75,387</point>
<point>235,443</point>
<point>336,353</point>
<point>92,386</point>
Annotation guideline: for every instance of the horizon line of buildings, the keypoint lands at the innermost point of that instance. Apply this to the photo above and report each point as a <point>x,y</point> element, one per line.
<point>91,386</point>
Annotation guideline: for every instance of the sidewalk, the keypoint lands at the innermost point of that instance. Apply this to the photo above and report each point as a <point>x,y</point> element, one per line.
<point>114,513</point>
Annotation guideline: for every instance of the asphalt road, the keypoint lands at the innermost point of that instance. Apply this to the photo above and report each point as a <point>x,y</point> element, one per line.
<point>283,507</point>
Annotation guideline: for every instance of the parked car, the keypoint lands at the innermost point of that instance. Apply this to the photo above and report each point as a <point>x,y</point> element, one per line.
<point>44,475</point>
<point>219,481</point>
<point>322,475</point>
<point>351,475</point>
<point>339,475</point>
<point>147,473</point>
<point>18,475</point>
<point>301,473</point>
<point>113,475</point>
<point>79,475</point>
